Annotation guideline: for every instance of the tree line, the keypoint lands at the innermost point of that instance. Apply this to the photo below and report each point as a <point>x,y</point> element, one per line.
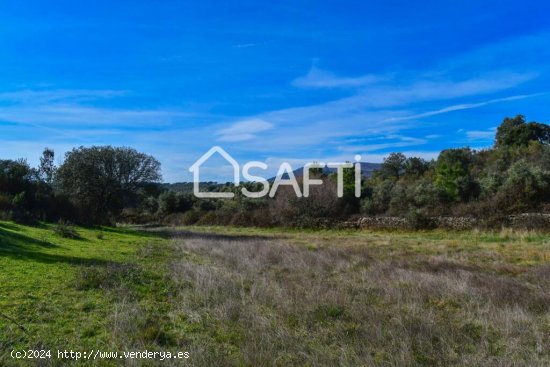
<point>102,185</point>
<point>512,176</point>
<point>93,185</point>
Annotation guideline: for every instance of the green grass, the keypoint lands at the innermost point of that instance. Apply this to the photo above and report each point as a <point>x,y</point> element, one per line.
<point>251,296</point>
<point>39,285</point>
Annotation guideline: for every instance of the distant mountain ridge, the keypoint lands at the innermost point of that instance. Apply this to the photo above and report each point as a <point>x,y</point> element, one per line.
<point>366,171</point>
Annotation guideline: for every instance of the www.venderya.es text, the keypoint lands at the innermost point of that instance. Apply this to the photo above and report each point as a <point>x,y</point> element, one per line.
<point>96,354</point>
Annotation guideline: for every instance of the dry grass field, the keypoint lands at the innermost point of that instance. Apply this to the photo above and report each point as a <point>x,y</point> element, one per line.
<point>359,298</point>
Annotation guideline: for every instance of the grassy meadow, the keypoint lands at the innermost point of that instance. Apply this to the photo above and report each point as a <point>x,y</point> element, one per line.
<point>256,297</point>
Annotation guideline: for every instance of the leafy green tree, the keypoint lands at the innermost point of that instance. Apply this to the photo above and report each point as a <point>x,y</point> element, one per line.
<point>415,167</point>
<point>349,202</point>
<point>452,172</point>
<point>46,170</point>
<point>167,202</point>
<point>424,194</point>
<point>527,186</point>
<point>150,205</point>
<point>23,194</point>
<point>174,202</point>
<point>378,201</point>
<point>393,165</point>
<point>516,132</point>
<point>15,176</point>
<point>100,180</point>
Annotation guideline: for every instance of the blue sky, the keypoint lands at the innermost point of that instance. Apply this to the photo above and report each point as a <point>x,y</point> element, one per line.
<point>268,81</point>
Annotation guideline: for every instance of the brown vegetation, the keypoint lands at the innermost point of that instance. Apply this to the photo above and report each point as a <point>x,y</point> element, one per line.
<point>333,301</point>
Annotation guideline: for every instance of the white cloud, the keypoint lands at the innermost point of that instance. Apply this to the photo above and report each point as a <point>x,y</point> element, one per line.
<point>389,111</point>
<point>71,115</point>
<point>439,89</point>
<point>317,78</point>
<point>37,97</point>
<point>246,45</point>
<point>461,107</point>
<point>52,109</point>
<point>481,134</point>
<point>399,142</point>
<point>244,130</point>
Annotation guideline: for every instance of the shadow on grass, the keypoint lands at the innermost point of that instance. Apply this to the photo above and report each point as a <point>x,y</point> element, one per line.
<point>21,247</point>
<point>9,226</point>
<point>131,232</point>
<point>178,233</point>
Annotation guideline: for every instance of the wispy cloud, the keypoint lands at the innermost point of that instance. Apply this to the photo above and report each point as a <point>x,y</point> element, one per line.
<point>465,106</point>
<point>317,78</point>
<point>37,97</point>
<point>481,134</point>
<point>74,115</point>
<point>74,108</point>
<point>244,130</point>
<point>440,88</point>
<point>393,142</point>
<point>246,45</point>
<point>379,110</point>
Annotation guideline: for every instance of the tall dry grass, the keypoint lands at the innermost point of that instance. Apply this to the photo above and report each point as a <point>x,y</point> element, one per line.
<point>266,302</point>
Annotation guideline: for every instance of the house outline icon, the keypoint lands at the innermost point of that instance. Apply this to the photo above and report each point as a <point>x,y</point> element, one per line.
<point>195,169</point>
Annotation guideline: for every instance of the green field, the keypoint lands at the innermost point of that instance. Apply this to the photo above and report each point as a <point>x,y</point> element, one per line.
<point>255,297</point>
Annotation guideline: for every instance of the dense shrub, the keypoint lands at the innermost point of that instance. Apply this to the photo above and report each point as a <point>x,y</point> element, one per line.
<point>66,230</point>
<point>418,220</point>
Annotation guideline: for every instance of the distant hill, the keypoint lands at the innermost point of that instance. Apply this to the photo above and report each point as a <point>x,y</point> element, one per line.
<point>366,170</point>
<point>188,186</point>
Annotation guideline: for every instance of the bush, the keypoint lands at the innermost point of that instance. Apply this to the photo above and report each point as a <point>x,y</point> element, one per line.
<point>6,202</point>
<point>23,217</point>
<point>321,206</point>
<point>66,230</point>
<point>530,184</point>
<point>418,220</point>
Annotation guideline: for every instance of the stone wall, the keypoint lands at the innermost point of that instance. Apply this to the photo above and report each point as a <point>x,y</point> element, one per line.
<point>381,222</point>
<point>519,221</point>
<point>455,222</point>
<point>529,221</point>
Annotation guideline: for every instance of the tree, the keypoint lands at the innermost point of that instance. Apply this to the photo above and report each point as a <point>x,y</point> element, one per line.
<point>415,167</point>
<point>167,202</point>
<point>174,202</point>
<point>378,201</point>
<point>47,168</point>
<point>349,201</point>
<point>100,180</point>
<point>393,165</point>
<point>516,132</point>
<point>452,173</point>
<point>526,185</point>
<point>15,176</point>
<point>20,191</point>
